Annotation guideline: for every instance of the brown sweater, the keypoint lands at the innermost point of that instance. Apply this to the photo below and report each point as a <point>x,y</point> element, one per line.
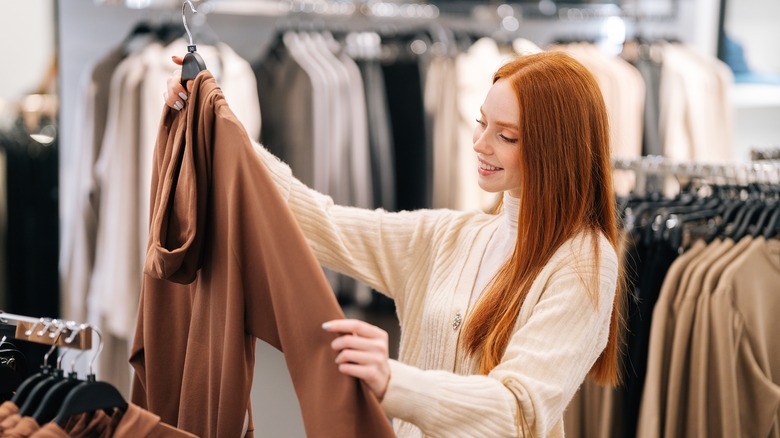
<point>226,264</point>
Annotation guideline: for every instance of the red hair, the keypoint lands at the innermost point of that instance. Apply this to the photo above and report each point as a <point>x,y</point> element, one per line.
<point>566,190</point>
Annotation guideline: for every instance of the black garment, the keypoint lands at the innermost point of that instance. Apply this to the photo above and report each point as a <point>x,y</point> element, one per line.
<point>649,259</point>
<point>32,234</point>
<point>413,166</point>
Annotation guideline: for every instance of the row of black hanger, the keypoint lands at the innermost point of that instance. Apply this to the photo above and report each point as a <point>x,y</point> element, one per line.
<point>719,210</point>
<point>51,395</point>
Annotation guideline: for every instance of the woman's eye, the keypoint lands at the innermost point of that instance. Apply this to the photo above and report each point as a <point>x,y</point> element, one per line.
<point>481,122</point>
<point>507,139</point>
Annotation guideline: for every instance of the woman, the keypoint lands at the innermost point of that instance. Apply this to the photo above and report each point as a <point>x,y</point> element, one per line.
<point>502,315</point>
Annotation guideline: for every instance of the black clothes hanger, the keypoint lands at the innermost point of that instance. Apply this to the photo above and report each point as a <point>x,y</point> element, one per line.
<point>193,62</point>
<point>52,400</point>
<point>33,400</point>
<point>39,391</point>
<point>91,395</point>
<point>29,384</point>
<point>763,219</point>
<point>749,217</point>
<point>773,224</point>
<point>730,211</point>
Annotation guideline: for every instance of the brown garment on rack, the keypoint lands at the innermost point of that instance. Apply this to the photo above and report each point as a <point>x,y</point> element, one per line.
<point>595,412</point>
<point>140,423</point>
<point>7,409</point>
<point>221,228</point>
<point>50,430</point>
<point>744,324</point>
<point>652,408</point>
<point>700,391</point>
<point>23,429</point>
<point>9,422</point>
<point>680,365</point>
<point>89,424</point>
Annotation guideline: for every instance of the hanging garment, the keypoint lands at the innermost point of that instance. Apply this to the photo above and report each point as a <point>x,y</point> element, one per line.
<point>80,197</point>
<point>651,419</point>
<point>694,121</point>
<point>442,110</point>
<point>380,135</point>
<point>699,388</point>
<point>135,422</point>
<point>745,361</point>
<point>227,264</point>
<point>403,85</point>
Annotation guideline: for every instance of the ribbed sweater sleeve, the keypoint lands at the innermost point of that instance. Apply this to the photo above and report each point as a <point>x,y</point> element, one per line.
<point>375,246</point>
<point>547,358</point>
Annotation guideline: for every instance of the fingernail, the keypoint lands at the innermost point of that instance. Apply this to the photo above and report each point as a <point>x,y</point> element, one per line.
<point>183,95</point>
<point>178,105</point>
<point>326,326</point>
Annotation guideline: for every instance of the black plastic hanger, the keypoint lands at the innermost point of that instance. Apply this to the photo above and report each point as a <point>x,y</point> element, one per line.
<point>741,228</point>
<point>773,225</point>
<point>33,400</point>
<point>193,62</point>
<point>91,395</point>
<point>29,384</point>
<point>52,400</point>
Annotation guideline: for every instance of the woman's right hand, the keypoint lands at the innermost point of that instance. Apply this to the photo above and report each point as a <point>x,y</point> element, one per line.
<point>175,94</point>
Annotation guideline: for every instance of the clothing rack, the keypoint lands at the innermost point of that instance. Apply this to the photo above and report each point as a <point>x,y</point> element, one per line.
<point>750,172</point>
<point>50,331</point>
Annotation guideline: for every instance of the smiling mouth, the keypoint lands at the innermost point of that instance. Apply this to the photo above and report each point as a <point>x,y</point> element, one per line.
<point>485,166</point>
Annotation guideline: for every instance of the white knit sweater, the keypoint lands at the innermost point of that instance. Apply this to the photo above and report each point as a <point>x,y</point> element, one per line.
<point>428,261</point>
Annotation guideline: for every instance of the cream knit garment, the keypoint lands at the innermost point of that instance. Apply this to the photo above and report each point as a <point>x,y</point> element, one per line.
<point>428,261</point>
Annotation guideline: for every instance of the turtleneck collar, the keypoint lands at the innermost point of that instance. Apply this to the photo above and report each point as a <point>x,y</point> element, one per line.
<point>510,211</point>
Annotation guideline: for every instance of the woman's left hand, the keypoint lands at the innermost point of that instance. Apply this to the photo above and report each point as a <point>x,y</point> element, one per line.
<point>362,352</point>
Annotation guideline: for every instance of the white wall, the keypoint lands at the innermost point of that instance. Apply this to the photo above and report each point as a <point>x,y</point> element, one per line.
<point>756,25</point>
<point>27,45</point>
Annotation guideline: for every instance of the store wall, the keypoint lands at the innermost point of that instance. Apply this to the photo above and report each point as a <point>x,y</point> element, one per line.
<point>754,25</point>
<point>27,29</point>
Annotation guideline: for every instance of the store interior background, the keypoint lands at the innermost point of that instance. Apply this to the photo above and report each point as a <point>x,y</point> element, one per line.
<point>78,32</point>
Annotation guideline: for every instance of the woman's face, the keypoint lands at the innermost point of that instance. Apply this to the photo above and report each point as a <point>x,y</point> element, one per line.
<point>496,140</point>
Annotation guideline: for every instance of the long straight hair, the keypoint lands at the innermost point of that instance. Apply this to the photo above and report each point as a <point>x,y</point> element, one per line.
<point>566,189</point>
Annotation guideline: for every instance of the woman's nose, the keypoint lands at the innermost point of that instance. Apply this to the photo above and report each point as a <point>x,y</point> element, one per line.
<point>480,143</point>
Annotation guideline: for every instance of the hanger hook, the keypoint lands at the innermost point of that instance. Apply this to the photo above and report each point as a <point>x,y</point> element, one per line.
<point>59,359</point>
<point>184,17</point>
<point>48,353</point>
<point>99,350</point>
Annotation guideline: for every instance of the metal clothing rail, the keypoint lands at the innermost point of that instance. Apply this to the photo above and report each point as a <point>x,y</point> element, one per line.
<point>756,171</point>
<point>282,8</point>
<point>651,172</point>
<point>50,331</point>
